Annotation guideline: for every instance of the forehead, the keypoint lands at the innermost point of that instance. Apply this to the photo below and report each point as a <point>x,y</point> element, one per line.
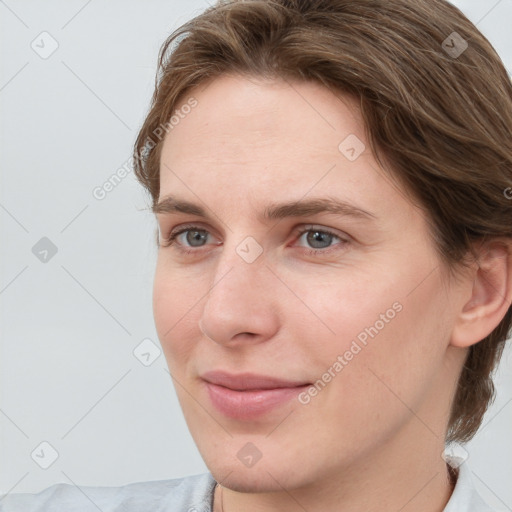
<point>241,113</point>
<point>267,128</point>
<point>248,143</point>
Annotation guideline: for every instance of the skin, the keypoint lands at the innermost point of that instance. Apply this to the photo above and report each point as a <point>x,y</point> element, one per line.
<point>372,438</point>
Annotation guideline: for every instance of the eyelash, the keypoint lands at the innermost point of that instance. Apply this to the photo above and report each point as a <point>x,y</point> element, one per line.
<point>171,239</point>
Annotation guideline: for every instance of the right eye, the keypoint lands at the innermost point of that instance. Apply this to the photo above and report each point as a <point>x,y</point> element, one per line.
<point>197,234</point>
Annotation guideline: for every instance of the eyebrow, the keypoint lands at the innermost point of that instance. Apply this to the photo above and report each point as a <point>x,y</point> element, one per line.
<point>273,211</point>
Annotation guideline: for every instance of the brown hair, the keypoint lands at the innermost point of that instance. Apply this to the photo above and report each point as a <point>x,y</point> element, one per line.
<point>440,119</point>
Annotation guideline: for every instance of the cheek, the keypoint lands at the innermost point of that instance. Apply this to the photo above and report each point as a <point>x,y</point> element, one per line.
<point>378,329</point>
<point>343,309</point>
<point>175,301</point>
<point>395,354</point>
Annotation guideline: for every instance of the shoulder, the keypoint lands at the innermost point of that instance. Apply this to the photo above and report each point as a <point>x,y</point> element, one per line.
<point>188,494</point>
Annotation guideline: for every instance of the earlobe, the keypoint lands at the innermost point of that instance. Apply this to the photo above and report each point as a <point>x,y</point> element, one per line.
<point>491,296</point>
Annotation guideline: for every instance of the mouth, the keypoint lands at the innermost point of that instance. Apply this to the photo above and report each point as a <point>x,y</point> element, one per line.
<point>247,396</point>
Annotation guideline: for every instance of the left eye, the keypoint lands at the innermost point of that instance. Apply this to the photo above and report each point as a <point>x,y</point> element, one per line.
<point>194,234</point>
<point>318,236</point>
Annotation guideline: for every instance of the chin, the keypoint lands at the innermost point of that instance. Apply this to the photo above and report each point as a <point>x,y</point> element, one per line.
<point>275,470</point>
<point>249,480</point>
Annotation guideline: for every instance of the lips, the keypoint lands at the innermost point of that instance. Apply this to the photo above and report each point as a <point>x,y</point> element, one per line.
<point>248,381</point>
<point>247,396</point>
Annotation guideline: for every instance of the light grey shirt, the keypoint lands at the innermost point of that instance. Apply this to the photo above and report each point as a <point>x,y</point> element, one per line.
<point>188,494</point>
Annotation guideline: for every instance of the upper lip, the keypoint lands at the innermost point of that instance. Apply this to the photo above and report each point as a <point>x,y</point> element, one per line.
<point>246,381</point>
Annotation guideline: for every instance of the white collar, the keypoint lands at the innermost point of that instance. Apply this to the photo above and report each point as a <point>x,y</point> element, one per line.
<point>465,497</point>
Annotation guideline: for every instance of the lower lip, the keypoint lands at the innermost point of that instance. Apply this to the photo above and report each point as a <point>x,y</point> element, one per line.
<point>247,405</point>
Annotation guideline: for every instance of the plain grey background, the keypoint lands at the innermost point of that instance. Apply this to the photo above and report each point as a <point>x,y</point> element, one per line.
<point>71,319</point>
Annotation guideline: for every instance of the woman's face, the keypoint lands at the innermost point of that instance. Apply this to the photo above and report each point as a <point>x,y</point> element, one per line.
<point>302,343</point>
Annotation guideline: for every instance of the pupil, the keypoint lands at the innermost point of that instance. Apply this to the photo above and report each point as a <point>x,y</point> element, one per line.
<point>317,237</point>
<point>196,235</point>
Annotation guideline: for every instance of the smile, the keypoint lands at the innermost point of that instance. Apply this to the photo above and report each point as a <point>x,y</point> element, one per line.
<point>247,396</point>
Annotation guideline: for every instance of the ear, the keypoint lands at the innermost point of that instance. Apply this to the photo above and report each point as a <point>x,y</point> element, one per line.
<point>491,296</point>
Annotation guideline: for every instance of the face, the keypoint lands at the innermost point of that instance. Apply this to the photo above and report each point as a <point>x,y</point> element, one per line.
<point>294,334</point>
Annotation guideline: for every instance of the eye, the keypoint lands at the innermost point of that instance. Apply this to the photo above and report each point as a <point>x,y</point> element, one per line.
<point>195,237</point>
<point>318,237</point>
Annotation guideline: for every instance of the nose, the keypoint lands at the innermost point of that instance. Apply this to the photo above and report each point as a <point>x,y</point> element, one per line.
<point>242,304</point>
